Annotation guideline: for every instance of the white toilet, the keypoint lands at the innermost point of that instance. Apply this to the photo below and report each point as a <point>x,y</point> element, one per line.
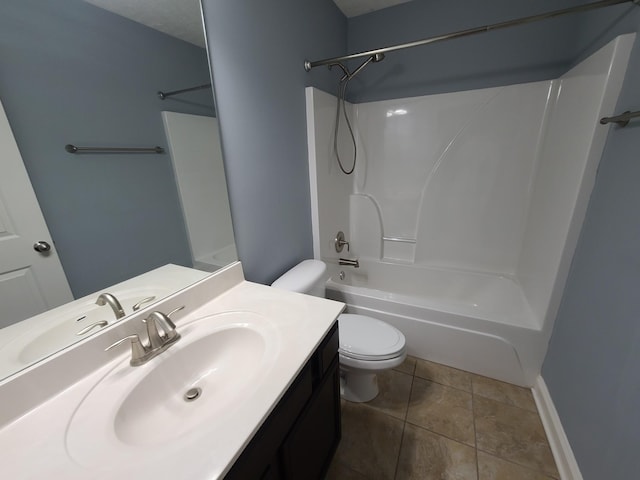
<point>367,345</point>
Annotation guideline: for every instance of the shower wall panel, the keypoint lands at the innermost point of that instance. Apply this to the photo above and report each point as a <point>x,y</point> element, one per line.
<point>330,209</point>
<point>196,157</point>
<point>572,147</point>
<point>453,173</point>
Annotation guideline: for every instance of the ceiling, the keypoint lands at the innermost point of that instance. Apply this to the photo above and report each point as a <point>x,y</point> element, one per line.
<point>353,8</point>
<point>178,18</point>
<point>181,18</point>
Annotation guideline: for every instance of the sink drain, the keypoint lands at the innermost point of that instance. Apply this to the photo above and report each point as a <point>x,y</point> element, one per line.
<point>192,394</point>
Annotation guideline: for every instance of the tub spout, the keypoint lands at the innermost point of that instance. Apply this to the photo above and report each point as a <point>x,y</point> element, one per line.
<point>347,261</point>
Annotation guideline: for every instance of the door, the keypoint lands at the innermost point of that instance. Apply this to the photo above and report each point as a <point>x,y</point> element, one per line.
<point>30,281</point>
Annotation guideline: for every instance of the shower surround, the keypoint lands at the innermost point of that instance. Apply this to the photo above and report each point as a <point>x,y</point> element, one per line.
<point>464,210</point>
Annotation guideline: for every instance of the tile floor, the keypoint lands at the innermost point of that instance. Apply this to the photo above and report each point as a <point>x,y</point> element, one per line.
<point>435,422</point>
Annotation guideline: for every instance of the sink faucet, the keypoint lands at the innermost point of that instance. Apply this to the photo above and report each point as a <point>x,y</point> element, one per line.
<point>107,298</point>
<point>163,340</point>
<point>142,352</point>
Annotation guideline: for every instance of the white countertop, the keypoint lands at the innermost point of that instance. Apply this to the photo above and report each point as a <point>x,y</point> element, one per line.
<point>35,443</point>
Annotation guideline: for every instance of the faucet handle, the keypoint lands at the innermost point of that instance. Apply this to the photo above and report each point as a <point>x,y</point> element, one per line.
<point>138,350</point>
<point>138,305</point>
<point>174,311</point>
<point>339,242</point>
<point>88,328</point>
<point>155,339</point>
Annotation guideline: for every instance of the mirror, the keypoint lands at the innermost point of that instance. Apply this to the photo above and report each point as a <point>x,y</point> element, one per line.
<point>74,73</point>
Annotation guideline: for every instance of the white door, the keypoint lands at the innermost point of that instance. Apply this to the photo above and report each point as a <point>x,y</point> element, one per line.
<point>30,282</point>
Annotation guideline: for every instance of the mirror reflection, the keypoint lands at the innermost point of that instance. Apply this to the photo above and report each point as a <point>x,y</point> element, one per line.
<point>73,225</point>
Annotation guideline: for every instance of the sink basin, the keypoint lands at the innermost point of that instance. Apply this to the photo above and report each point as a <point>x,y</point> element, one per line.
<point>194,385</point>
<point>62,332</point>
<point>211,374</point>
<point>62,327</point>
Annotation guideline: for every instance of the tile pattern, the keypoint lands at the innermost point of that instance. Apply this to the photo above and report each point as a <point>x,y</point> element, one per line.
<point>494,468</point>
<point>427,455</point>
<point>513,434</point>
<point>370,442</point>
<point>504,393</point>
<point>431,421</point>
<point>443,410</point>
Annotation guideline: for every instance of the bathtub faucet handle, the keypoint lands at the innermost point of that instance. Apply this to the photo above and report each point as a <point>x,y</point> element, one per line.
<point>340,242</point>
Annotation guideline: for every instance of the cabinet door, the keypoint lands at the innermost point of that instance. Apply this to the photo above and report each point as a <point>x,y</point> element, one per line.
<point>309,448</point>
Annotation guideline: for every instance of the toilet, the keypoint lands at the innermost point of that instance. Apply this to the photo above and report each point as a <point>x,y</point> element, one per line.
<point>367,345</point>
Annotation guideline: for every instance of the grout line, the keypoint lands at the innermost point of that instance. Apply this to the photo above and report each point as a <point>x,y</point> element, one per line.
<point>404,427</point>
<point>475,430</point>
<point>440,434</point>
<point>526,467</point>
<point>472,376</point>
<point>442,384</point>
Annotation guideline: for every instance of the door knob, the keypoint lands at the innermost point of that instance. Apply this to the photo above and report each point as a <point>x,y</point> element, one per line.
<point>41,246</point>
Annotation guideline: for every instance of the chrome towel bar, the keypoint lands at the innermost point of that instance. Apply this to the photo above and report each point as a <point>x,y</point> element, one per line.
<point>73,149</point>
<point>622,120</point>
<point>162,95</point>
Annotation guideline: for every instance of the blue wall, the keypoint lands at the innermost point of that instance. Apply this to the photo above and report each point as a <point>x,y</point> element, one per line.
<point>526,53</point>
<point>592,365</point>
<point>257,51</point>
<point>74,73</point>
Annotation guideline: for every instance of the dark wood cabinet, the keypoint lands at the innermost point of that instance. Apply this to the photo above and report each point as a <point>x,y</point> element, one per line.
<point>301,435</point>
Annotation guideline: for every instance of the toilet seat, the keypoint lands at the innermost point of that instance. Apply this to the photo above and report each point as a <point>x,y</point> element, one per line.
<point>367,338</point>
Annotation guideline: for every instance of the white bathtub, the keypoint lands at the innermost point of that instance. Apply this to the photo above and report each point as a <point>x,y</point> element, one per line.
<point>477,322</point>
<point>491,180</point>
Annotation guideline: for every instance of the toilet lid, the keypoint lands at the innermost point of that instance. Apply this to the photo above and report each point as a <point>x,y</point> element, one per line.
<point>367,338</point>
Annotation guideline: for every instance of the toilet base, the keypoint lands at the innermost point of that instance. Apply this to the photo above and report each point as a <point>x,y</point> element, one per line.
<point>358,386</point>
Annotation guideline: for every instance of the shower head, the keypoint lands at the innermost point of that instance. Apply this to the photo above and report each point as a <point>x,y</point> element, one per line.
<point>378,57</point>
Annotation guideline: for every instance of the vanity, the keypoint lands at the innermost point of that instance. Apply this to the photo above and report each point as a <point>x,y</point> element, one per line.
<point>250,390</point>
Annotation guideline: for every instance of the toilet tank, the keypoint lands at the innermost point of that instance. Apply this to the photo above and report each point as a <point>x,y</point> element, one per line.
<point>309,277</point>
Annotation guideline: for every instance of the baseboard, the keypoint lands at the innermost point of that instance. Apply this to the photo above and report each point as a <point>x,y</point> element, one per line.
<point>560,447</point>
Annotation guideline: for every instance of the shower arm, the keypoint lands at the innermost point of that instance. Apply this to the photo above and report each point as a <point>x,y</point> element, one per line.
<point>308,65</point>
<point>349,75</point>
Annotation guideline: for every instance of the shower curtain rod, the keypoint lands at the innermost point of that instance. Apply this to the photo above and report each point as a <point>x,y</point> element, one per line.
<point>472,31</point>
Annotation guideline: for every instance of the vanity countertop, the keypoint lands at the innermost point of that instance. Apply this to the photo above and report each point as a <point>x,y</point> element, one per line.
<point>39,442</point>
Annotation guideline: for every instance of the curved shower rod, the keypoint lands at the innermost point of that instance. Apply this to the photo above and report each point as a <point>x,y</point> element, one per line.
<point>472,31</point>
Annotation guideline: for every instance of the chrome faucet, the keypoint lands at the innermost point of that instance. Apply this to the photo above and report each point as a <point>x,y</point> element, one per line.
<point>161,332</point>
<point>107,298</point>
<point>347,261</point>
<point>169,335</point>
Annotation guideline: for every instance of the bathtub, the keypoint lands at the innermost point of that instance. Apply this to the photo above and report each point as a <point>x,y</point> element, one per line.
<point>473,321</point>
